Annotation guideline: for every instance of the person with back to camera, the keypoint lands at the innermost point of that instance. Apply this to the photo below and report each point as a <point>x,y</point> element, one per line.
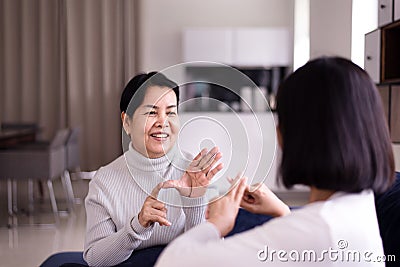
<point>122,215</point>
<point>334,139</point>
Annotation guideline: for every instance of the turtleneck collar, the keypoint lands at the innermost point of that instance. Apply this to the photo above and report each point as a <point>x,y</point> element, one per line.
<point>139,162</point>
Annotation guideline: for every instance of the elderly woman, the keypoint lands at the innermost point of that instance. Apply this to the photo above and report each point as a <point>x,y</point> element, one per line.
<point>128,204</point>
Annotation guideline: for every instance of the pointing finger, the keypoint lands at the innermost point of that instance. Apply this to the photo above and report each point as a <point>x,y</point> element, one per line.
<point>156,190</point>
<point>240,189</point>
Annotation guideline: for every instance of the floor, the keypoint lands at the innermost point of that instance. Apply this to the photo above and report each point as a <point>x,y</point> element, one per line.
<point>29,245</point>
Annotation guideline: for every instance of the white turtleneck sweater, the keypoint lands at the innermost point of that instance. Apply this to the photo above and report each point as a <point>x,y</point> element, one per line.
<point>115,198</point>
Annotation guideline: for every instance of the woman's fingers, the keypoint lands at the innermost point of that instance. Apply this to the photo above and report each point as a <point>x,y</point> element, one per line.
<point>171,184</point>
<point>153,211</point>
<point>234,181</point>
<point>157,205</point>
<point>248,197</point>
<point>159,218</point>
<point>183,189</point>
<point>158,213</point>
<point>156,190</point>
<point>204,180</point>
<point>214,171</point>
<point>162,221</point>
<point>152,203</point>
<point>195,162</point>
<point>212,162</point>
<point>239,190</point>
<point>222,213</point>
<point>207,159</point>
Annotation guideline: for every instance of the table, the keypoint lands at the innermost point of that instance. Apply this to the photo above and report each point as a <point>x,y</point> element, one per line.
<point>13,137</point>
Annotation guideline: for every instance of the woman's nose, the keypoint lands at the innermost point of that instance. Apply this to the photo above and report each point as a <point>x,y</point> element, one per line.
<point>162,120</point>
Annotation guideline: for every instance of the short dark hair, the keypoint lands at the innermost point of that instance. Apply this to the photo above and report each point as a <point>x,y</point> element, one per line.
<point>333,128</point>
<point>134,92</point>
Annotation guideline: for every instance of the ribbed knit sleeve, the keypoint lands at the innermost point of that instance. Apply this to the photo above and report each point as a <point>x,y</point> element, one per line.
<point>104,245</point>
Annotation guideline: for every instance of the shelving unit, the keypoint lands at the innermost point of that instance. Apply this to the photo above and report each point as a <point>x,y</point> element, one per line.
<point>391,53</point>
<point>382,62</point>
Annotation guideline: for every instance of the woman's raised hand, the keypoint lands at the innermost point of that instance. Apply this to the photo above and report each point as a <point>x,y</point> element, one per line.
<point>198,175</point>
<point>222,212</point>
<point>153,210</point>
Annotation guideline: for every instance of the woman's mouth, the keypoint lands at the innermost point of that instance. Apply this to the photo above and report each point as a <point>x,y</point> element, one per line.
<point>159,136</point>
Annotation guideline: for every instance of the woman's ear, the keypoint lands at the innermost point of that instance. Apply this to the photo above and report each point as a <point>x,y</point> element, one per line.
<point>279,136</point>
<point>125,122</point>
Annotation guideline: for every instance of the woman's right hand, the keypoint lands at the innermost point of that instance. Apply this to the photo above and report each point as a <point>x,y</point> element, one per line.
<point>261,200</point>
<point>153,210</point>
<point>222,212</point>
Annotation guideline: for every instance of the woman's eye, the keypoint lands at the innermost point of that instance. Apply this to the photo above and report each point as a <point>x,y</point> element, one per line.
<point>151,113</point>
<point>171,113</point>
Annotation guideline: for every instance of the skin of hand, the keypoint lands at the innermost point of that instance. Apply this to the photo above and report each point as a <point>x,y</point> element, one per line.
<point>222,212</point>
<point>197,177</point>
<point>261,200</point>
<point>153,210</point>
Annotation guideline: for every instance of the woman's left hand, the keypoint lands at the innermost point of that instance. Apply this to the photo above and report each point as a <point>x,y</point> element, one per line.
<point>198,175</point>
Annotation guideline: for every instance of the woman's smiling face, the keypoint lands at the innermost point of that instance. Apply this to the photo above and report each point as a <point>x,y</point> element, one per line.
<point>154,125</point>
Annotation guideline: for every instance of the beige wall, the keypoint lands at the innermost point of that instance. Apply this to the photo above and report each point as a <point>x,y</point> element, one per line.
<point>330,28</point>
<point>162,23</point>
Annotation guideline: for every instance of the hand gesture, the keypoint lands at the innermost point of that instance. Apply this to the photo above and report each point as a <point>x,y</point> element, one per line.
<point>153,210</point>
<point>222,212</point>
<point>260,199</point>
<point>197,177</point>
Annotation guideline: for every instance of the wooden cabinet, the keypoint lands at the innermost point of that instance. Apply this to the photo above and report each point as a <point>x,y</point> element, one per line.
<point>390,95</point>
<point>384,91</point>
<point>382,54</point>
<point>382,62</point>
